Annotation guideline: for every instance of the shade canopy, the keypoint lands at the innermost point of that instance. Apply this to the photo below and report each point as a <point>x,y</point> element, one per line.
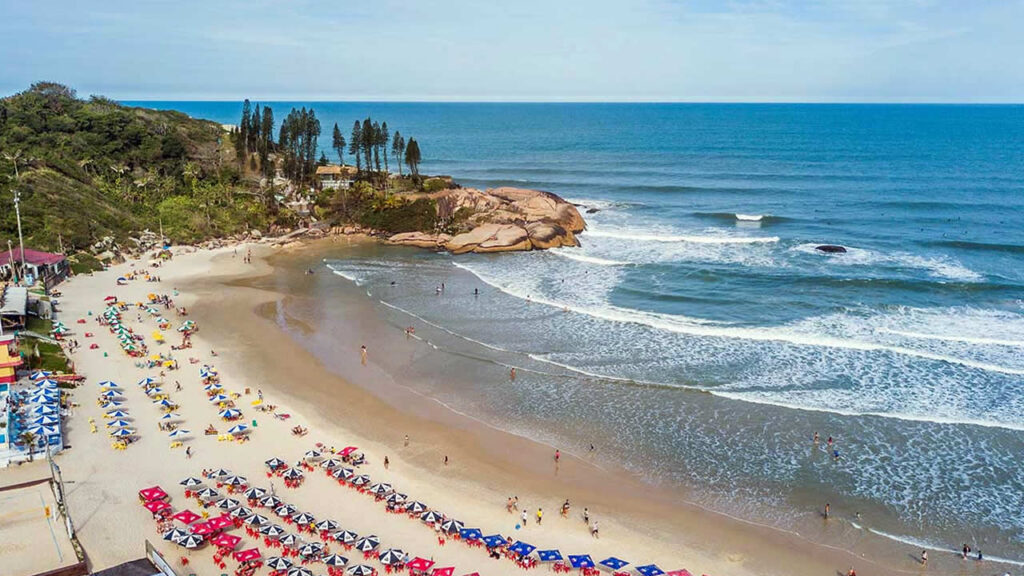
<point>186,516</point>
<point>191,482</point>
<point>228,541</point>
<point>549,555</point>
<point>152,493</point>
<point>471,534</point>
<point>418,563</point>
<point>649,570</point>
<point>581,561</point>
<point>494,540</point>
<point>247,555</point>
<point>446,571</point>
<point>613,562</point>
<point>335,560</point>
<point>155,506</point>
<point>522,548</point>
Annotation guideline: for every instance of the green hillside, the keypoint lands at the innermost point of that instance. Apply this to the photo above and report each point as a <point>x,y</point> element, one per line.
<point>89,168</point>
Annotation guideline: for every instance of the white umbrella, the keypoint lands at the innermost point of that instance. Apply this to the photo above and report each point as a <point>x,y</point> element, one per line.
<point>335,560</point>
<point>360,570</point>
<point>191,482</point>
<point>238,429</point>
<point>312,454</point>
<point>181,432</point>
<point>277,563</point>
<point>256,520</point>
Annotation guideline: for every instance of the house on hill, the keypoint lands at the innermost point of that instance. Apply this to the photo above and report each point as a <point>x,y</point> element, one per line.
<point>334,176</point>
<point>51,268</point>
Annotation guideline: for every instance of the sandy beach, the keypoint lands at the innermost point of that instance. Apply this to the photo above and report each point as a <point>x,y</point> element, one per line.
<point>484,466</point>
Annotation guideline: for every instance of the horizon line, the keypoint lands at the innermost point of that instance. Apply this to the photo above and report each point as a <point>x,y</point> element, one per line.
<point>717,102</point>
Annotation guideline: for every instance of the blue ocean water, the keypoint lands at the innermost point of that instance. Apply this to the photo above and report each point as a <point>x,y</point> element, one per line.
<point>708,339</point>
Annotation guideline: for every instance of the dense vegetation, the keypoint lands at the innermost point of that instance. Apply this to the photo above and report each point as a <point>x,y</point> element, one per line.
<point>88,168</point>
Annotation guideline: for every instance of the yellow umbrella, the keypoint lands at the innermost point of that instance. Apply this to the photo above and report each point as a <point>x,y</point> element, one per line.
<point>158,336</point>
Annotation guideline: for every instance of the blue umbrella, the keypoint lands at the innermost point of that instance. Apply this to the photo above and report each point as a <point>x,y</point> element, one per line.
<point>494,540</point>
<point>549,555</point>
<point>613,562</point>
<point>471,534</point>
<point>581,561</point>
<point>649,570</point>
<point>522,548</point>
<point>46,382</point>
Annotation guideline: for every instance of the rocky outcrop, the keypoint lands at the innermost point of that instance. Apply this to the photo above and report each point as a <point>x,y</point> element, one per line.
<point>499,220</point>
<point>831,249</point>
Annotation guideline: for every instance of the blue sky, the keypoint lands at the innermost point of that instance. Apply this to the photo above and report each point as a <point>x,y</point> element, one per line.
<point>515,50</point>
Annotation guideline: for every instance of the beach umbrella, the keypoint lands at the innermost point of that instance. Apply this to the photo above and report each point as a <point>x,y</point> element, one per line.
<point>202,528</point>
<point>271,502</point>
<point>277,563</point>
<point>208,493</point>
<point>155,506</point>
<point>367,543</point>
<point>212,386</point>
<point>165,403</point>
<point>272,530</point>
<point>345,536</point>
<point>117,414</point>
<point>186,516</point>
<point>257,520</point>
<point>522,548</point>
<point>46,420</point>
<point>51,431</point>
<point>191,482</point>
<point>335,560</point>
<point>360,480</point>
<point>156,390</point>
<point>431,517</point>
<point>36,431</point>
<point>471,534</point>
<point>312,454</point>
<point>447,571</point>
<point>303,518</point>
<point>391,557</point>
<point>311,549</point>
<point>227,503</point>
<point>330,463</point>
<point>221,522</point>
<point>327,526</point>
<point>111,404</point>
<point>415,507</point>
<point>107,385</point>
<point>380,488</point>
<point>226,540</point>
<point>238,429</point>
<point>360,570</point>
<point>241,512</point>
<point>649,570</point>
<point>236,481</point>
<point>683,572</point>
<point>229,414</point>
<point>293,474</point>
<point>46,382</point>
<point>181,432</point>
<point>549,555</point>
<point>174,534</point>
<point>418,563</point>
<point>581,561</point>
<point>299,571</point>
<point>220,473</point>
<point>111,394</point>
<point>191,541</point>
<point>289,540</point>
<point>247,555</point>
<point>254,493</point>
<point>40,374</point>
<point>118,424</point>
<point>122,432</point>
<point>285,510</point>
<point>171,416</point>
<point>343,473</point>
<point>452,526</point>
<point>396,498</point>
<point>218,398</point>
<point>494,540</point>
<point>275,463</point>
<point>42,409</point>
<point>347,450</point>
<point>146,381</point>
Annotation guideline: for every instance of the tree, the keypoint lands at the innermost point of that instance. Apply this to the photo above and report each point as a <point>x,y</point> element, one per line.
<point>255,122</point>
<point>384,136</point>
<point>398,149</point>
<point>266,141</point>
<point>367,145</point>
<point>297,143</point>
<point>29,439</point>
<point>242,142</point>
<point>412,157</point>
<point>354,145</point>
<point>338,143</point>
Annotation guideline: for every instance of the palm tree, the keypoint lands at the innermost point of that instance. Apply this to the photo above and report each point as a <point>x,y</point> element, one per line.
<point>29,439</point>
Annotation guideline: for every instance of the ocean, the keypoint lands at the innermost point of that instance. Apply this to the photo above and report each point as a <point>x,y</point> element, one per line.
<point>699,338</point>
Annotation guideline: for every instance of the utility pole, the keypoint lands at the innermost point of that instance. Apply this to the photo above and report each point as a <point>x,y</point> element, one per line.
<point>10,257</point>
<point>58,483</point>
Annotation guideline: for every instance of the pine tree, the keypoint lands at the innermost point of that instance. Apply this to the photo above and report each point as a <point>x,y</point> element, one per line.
<point>255,122</point>
<point>266,141</point>
<point>376,140</point>
<point>243,133</point>
<point>384,137</point>
<point>354,146</point>
<point>367,144</point>
<point>338,143</point>
<point>398,149</point>
<point>412,157</point>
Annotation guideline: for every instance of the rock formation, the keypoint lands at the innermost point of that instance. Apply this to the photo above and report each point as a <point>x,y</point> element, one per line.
<point>499,220</point>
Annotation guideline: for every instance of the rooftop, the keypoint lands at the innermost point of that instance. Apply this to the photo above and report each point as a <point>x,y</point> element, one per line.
<point>14,301</point>
<point>34,257</point>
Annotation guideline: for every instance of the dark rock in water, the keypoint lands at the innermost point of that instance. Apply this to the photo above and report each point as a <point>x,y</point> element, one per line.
<point>593,210</point>
<point>831,249</point>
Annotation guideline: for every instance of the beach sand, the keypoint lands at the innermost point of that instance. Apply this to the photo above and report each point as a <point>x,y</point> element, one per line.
<point>485,466</point>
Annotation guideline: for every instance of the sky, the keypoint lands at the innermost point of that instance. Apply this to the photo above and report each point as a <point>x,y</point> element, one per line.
<point>520,50</point>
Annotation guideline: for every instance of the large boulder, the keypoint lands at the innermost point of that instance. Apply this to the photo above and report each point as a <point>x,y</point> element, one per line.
<point>420,240</point>
<point>490,238</point>
<point>535,206</point>
<point>544,235</point>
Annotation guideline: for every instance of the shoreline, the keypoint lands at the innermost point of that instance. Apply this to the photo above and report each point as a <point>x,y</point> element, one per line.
<point>638,521</point>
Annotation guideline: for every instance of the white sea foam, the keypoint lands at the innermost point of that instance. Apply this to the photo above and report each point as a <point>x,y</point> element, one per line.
<point>669,237</point>
<point>573,254</point>
<point>750,217</point>
<point>949,338</point>
<point>940,267</point>
<point>346,275</point>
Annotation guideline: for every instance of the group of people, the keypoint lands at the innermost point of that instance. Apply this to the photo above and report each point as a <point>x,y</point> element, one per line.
<point>512,505</point>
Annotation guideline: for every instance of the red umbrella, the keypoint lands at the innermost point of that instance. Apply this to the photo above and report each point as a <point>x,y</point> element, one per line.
<point>153,493</point>
<point>202,529</point>
<point>109,298</point>
<point>348,450</point>
<point>155,506</point>
<point>472,574</point>
<point>228,541</point>
<point>186,516</point>
<point>219,523</point>
<point>443,571</point>
<point>420,564</point>
<point>683,572</point>
<point>247,555</point>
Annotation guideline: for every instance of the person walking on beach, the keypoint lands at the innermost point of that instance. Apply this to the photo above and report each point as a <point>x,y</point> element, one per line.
<point>188,452</point>
<point>406,440</point>
<point>362,353</point>
<point>523,516</point>
<point>594,530</point>
<point>386,463</point>
<point>445,459</point>
<point>540,515</point>
<point>828,510</point>
<point>512,374</point>
<point>558,455</point>
<point>924,558</point>
<point>586,516</point>
<point>816,438</point>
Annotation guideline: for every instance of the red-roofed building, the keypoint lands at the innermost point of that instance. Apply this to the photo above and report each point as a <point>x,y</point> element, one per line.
<point>51,268</point>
